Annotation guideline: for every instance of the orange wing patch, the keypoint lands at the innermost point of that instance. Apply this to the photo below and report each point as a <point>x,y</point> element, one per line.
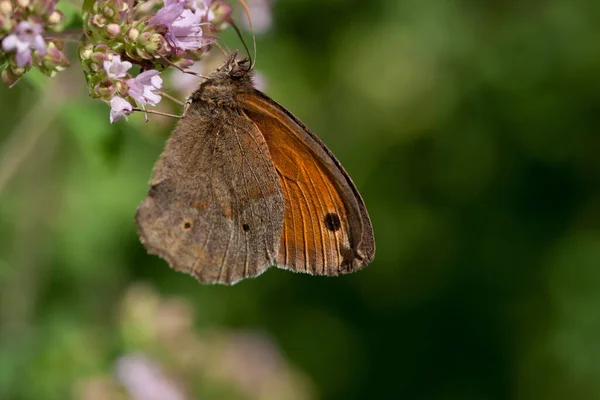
<point>317,236</point>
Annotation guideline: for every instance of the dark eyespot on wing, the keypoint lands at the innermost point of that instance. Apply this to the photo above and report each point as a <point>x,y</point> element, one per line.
<point>246,227</point>
<point>332,222</point>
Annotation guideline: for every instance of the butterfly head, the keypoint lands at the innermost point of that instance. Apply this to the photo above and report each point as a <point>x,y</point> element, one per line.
<point>232,76</point>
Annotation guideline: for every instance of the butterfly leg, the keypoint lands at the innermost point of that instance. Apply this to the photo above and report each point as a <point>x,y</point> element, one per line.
<point>185,71</point>
<point>158,113</point>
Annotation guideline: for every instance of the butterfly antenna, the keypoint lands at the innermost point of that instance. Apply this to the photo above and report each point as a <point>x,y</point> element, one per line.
<point>239,33</point>
<point>185,71</point>
<point>247,10</point>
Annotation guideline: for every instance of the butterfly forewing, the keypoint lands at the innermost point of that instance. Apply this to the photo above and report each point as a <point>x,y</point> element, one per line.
<point>326,228</point>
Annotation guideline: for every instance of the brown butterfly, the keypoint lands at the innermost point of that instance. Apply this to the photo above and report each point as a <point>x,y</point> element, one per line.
<point>242,185</point>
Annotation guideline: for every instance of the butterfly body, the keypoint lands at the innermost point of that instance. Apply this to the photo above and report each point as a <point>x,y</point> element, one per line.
<point>243,185</point>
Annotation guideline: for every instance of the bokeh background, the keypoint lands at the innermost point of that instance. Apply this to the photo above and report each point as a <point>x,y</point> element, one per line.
<point>470,128</point>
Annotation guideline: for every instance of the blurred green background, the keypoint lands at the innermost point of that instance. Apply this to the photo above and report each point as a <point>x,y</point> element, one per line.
<point>471,130</point>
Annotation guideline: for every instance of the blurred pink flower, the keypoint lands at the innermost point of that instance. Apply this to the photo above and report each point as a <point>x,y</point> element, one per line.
<point>260,82</point>
<point>143,88</point>
<point>262,18</point>
<point>116,68</point>
<point>119,108</point>
<point>203,7</point>
<point>144,379</point>
<point>27,37</point>
<point>252,361</point>
<point>187,83</point>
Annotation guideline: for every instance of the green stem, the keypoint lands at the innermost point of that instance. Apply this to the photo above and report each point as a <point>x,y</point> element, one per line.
<point>72,35</point>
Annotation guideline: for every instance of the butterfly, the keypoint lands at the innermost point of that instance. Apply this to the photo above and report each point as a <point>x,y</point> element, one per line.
<point>243,184</point>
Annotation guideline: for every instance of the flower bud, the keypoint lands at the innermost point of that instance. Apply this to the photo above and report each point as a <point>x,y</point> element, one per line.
<point>6,24</point>
<point>54,58</point>
<point>93,82</point>
<point>99,20</point>
<point>98,58</point>
<point>122,88</point>
<point>56,17</point>
<point>106,89</point>
<point>23,3</point>
<point>133,34</point>
<point>10,76</point>
<point>6,7</point>
<point>154,44</point>
<point>222,11</point>
<point>85,52</point>
<point>149,45</point>
<point>113,30</point>
<point>109,12</point>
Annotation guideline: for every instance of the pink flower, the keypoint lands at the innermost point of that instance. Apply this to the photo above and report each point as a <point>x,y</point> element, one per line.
<point>116,68</point>
<point>203,6</point>
<point>169,13</point>
<point>119,108</point>
<point>27,37</point>
<point>144,379</point>
<point>262,18</point>
<point>186,83</point>
<point>144,87</point>
<point>184,31</point>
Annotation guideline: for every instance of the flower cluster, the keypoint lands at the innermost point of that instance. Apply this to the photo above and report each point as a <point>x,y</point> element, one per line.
<point>111,81</point>
<point>125,44</point>
<point>22,27</point>
<point>161,341</point>
<point>123,33</point>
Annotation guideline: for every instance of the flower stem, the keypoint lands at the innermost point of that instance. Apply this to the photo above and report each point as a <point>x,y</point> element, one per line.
<point>72,35</point>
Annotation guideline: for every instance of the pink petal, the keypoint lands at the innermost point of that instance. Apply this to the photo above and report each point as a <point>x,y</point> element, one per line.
<point>147,75</point>
<point>156,81</point>
<point>152,98</point>
<point>119,108</point>
<point>168,14</point>
<point>23,57</point>
<point>115,68</point>
<point>10,42</point>
<point>39,44</point>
